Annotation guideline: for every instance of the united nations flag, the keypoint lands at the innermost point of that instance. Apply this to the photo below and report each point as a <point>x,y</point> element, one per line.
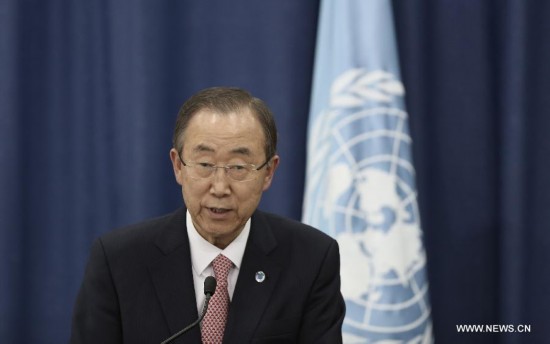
<point>360,184</point>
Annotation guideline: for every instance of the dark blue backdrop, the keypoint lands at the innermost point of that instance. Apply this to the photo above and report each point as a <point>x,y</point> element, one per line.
<point>89,91</point>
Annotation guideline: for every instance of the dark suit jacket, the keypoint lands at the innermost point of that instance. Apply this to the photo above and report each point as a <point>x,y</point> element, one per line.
<point>138,286</point>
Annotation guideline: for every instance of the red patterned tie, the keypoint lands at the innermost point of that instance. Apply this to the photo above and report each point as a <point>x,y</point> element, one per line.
<point>214,321</point>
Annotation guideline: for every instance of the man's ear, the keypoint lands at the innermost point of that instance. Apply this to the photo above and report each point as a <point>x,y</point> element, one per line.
<point>176,165</point>
<point>270,168</point>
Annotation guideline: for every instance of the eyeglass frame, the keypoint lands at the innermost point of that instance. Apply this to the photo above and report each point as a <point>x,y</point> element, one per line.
<point>225,167</point>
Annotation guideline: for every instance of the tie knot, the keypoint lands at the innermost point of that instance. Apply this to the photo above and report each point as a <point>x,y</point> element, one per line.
<point>222,265</point>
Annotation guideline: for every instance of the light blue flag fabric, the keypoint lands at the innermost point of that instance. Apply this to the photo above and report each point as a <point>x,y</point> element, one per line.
<point>360,184</point>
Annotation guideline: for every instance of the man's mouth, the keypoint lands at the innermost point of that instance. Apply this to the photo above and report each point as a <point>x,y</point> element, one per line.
<point>218,210</point>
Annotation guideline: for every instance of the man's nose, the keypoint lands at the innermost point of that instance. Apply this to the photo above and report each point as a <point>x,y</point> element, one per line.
<point>220,182</point>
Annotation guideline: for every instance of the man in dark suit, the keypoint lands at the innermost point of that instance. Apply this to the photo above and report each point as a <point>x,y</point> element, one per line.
<point>143,283</point>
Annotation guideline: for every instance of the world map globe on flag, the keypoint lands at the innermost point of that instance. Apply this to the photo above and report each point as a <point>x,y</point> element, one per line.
<point>361,191</point>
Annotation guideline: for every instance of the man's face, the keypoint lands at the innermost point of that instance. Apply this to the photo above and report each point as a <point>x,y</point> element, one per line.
<point>220,206</point>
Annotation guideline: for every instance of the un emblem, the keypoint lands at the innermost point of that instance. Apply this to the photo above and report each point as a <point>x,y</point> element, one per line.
<point>361,191</point>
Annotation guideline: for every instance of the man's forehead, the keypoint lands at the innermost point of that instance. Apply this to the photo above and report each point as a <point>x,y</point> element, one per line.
<point>204,147</point>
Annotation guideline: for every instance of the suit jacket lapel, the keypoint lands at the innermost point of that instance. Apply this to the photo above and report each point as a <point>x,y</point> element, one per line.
<point>252,297</point>
<point>172,277</point>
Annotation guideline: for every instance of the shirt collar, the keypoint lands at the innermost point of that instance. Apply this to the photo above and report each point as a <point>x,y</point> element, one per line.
<point>203,252</point>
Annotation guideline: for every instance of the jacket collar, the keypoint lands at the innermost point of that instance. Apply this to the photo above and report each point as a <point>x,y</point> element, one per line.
<point>251,297</point>
<point>172,276</point>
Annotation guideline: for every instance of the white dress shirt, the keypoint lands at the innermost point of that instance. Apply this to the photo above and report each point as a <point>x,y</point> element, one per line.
<point>203,253</point>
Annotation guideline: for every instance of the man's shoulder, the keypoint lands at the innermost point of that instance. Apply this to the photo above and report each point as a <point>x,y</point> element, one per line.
<point>146,231</point>
<point>289,228</point>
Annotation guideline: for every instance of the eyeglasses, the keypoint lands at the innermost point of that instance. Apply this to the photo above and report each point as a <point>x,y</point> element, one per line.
<point>237,172</point>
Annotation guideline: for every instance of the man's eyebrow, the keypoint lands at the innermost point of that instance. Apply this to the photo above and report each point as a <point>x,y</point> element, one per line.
<point>241,150</point>
<point>203,148</point>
